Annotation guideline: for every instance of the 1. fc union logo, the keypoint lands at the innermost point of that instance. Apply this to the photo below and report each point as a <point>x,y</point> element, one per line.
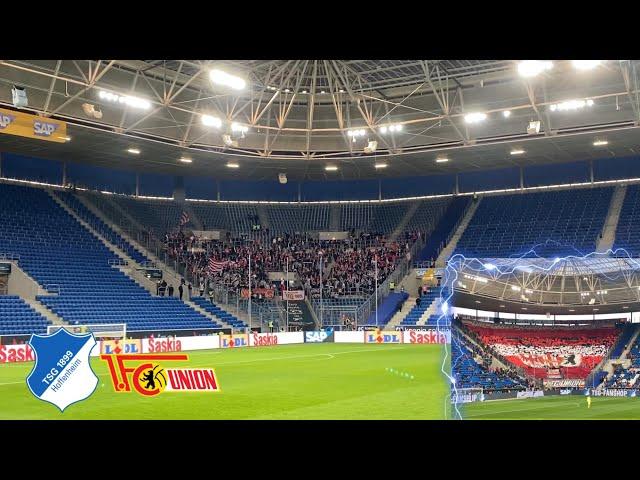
<point>150,378</point>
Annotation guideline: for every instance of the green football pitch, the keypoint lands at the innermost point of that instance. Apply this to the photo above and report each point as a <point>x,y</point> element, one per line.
<point>310,381</point>
<point>570,407</point>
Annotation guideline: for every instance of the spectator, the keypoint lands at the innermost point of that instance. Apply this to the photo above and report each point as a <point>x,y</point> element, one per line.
<point>190,288</point>
<point>180,290</point>
<point>170,289</point>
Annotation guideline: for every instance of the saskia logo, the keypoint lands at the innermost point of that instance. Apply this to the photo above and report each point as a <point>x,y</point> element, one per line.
<point>150,378</point>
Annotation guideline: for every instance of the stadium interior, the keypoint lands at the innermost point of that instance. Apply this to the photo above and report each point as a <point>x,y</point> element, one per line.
<point>497,201</point>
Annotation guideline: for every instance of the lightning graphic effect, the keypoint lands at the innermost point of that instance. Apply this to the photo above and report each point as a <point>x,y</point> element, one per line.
<point>523,263</point>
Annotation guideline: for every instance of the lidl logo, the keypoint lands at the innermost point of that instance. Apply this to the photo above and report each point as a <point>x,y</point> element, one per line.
<point>234,341</point>
<point>383,337</point>
<point>150,378</point>
<point>5,120</point>
<point>117,347</point>
<point>44,129</point>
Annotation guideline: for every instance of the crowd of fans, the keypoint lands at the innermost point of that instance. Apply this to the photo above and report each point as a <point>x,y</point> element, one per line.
<point>348,266</point>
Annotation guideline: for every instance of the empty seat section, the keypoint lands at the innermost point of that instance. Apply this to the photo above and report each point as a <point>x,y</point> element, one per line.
<point>62,256</point>
<point>566,222</point>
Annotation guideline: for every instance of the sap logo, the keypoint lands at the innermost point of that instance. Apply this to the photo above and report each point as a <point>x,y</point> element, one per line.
<point>5,120</point>
<point>44,129</point>
<point>315,337</point>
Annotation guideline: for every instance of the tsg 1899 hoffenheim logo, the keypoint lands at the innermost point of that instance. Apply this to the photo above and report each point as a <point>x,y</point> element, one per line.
<point>62,374</point>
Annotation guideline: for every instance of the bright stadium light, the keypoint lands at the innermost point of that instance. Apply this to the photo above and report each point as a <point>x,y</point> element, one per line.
<point>600,143</point>
<point>569,105</point>
<point>517,151</point>
<point>475,117</point>
<point>211,121</point>
<point>585,64</point>
<point>489,266</point>
<point>331,168</point>
<point>531,68</point>
<point>380,165</point>
<point>506,113</point>
<point>135,151</point>
<point>356,133</point>
<point>232,165</point>
<point>129,100</point>
<point>185,160</point>
<point>226,79</point>
<point>442,160</point>
<point>236,127</point>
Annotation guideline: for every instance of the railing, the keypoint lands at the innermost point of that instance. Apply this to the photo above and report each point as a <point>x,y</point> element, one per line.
<point>53,288</point>
<point>10,256</point>
<point>118,261</point>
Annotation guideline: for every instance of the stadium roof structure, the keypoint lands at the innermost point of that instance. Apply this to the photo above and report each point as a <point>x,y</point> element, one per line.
<point>299,116</point>
<point>593,281</point>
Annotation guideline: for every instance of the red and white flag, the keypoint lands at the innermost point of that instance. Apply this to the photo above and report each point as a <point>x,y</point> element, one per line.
<point>184,219</point>
<point>216,266</point>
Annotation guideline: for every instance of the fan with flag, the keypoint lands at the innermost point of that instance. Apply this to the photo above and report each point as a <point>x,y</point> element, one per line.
<point>184,219</point>
<point>216,266</point>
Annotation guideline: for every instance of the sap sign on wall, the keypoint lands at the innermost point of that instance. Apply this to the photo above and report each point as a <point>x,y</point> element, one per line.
<point>319,336</point>
<point>427,336</point>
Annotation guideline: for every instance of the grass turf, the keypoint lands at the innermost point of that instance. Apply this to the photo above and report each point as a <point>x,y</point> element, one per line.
<point>311,381</point>
<point>570,407</point>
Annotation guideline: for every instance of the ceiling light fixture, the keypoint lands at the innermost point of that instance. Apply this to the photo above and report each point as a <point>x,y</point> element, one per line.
<point>568,105</point>
<point>331,168</point>
<point>475,117</point>
<point>236,127</point>
<point>380,165</point>
<point>211,121</point>
<point>506,113</point>
<point>232,165</point>
<point>356,133</point>
<point>531,68</point>
<point>517,151</point>
<point>226,79</point>
<point>135,151</point>
<point>130,101</point>
<point>442,160</point>
<point>585,64</point>
<point>185,160</point>
<point>600,143</point>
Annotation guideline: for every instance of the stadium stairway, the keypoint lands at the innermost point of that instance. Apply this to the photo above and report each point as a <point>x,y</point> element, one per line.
<point>613,216</point>
<point>263,216</point>
<point>402,313</point>
<point>444,228</point>
<point>388,307</point>
<point>71,211</point>
<point>21,284</point>
<point>405,221</point>
<point>448,250</point>
<point>169,274</point>
<point>334,218</point>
